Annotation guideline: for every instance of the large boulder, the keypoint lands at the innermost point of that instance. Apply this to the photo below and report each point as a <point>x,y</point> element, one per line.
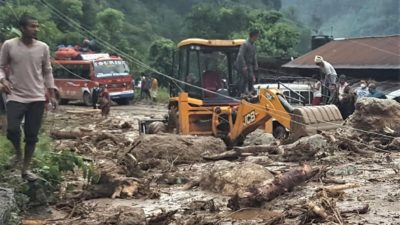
<point>173,149</point>
<point>259,137</point>
<point>230,178</point>
<point>376,115</point>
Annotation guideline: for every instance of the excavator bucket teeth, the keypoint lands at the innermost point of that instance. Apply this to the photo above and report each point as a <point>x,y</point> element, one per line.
<point>311,119</point>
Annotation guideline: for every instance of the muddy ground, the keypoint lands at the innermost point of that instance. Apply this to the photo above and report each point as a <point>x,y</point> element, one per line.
<point>145,180</point>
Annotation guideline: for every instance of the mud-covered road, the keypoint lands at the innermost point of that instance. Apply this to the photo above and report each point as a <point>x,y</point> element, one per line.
<point>165,189</point>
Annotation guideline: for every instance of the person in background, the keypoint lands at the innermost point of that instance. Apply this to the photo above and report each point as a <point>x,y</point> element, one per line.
<point>246,62</point>
<point>347,103</point>
<point>105,102</point>
<point>142,86</point>
<point>333,96</point>
<point>95,95</point>
<point>342,85</point>
<point>362,91</point>
<point>374,93</point>
<point>154,89</point>
<point>146,88</point>
<point>329,74</point>
<point>30,73</point>
<point>317,91</point>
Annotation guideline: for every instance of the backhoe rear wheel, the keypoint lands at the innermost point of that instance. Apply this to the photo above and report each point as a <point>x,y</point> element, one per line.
<point>156,127</point>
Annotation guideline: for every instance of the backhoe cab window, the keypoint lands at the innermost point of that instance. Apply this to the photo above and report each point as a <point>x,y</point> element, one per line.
<point>111,68</point>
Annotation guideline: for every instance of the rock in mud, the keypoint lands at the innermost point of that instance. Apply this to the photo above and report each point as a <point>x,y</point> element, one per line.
<point>7,205</point>
<point>259,137</point>
<point>305,148</point>
<point>375,115</point>
<point>175,149</point>
<point>230,178</point>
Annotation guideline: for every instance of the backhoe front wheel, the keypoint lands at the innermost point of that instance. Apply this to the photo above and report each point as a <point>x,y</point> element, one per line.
<point>280,132</point>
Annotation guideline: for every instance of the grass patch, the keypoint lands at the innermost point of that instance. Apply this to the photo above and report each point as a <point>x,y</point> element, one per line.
<point>162,96</point>
<point>46,163</point>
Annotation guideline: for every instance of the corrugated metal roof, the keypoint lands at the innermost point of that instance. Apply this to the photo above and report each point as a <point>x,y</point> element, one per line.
<point>355,53</point>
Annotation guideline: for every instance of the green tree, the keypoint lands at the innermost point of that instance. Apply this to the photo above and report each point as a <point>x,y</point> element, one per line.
<point>160,57</point>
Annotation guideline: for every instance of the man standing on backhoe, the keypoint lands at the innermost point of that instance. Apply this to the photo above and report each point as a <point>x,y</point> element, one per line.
<point>246,62</point>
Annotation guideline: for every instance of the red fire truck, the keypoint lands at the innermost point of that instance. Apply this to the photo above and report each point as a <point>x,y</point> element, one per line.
<point>75,74</point>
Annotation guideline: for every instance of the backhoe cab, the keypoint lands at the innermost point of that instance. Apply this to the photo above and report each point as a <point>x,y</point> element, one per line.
<point>215,109</point>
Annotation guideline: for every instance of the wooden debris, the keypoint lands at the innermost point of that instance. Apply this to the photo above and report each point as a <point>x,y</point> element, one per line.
<point>71,134</point>
<point>280,185</point>
<point>317,210</point>
<point>228,155</point>
<point>84,111</point>
<point>360,210</point>
<point>163,218</point>
<point>339,188</point>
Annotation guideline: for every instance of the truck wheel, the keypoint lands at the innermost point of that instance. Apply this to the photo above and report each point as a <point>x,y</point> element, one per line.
<point>87,99</point>
<point>124,101</point>
<point>63,101</point>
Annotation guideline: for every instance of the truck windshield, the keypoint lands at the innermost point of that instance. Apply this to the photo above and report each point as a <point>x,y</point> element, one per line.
<point>111,68</point>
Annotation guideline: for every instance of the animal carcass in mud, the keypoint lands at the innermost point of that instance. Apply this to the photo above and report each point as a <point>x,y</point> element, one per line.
<point>230,178</point>
<point>166,150</point>
<point>112,182</point>
<point>281,184</point>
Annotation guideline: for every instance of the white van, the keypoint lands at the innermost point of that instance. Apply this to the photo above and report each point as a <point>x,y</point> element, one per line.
<point>295,93</point>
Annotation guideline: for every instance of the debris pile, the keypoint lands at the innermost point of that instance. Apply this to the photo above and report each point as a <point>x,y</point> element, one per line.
<point>230,178</point>
<point>376,123</point>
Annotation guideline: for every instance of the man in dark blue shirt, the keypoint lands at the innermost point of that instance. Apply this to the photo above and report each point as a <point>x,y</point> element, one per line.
<point>374,93</point>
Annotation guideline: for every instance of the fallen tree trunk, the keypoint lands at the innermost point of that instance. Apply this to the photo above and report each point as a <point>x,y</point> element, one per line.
<point>71,134</point>
<point>228,155</point>
<point>280,185</point>
<point>360,210</point>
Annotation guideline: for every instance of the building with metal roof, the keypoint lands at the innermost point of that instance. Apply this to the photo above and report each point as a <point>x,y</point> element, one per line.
<point>367,57</point>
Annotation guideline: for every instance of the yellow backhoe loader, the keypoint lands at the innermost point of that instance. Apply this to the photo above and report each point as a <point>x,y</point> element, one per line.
<point>215,109</point>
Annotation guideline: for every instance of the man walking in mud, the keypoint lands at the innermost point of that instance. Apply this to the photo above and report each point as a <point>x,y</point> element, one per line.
<point>30,72</point>
<point>246,62</point>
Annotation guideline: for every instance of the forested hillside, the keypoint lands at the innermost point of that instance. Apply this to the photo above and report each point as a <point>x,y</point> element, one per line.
<point>149,29</point>
<point>134,26</point>
<point>348,18</point>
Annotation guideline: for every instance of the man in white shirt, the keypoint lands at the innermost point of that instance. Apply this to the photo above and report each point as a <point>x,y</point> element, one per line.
<point>362,91</point>
<point>330,75</point>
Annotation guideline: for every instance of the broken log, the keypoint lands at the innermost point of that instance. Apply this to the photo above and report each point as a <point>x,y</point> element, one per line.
<point>317,210</point>
<point>86,111</point>
<point>280,185</point>
<point>360,210</point>
<point>256,149</point>
<point>105,135</point>
<point>228,155</point>
<point>71,134</point>
<point>339,188</point>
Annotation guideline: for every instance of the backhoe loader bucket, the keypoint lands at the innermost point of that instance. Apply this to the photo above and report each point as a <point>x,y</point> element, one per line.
<point>309,120</point>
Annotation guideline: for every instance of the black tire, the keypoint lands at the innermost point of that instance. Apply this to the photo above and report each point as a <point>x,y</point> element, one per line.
<point>156,128</point>
<point>280,132</point>
<point>63,102</point>
<point>87,99</point>
<point>123,101</point>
